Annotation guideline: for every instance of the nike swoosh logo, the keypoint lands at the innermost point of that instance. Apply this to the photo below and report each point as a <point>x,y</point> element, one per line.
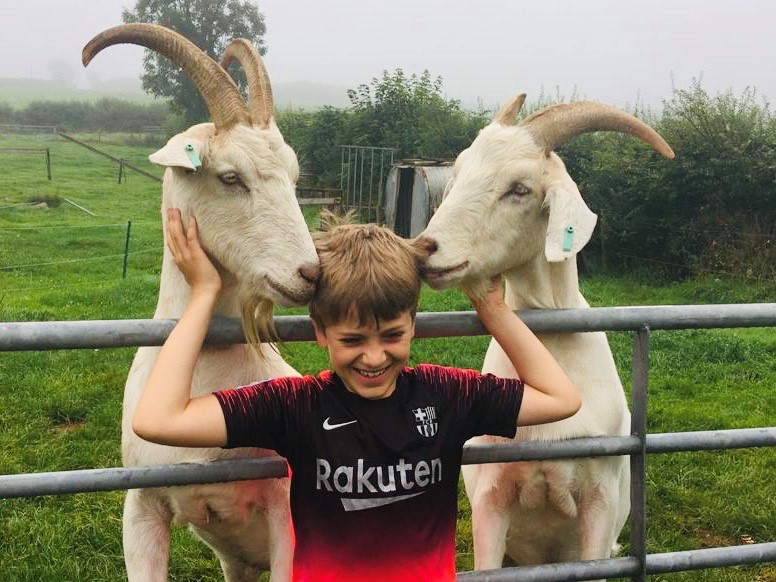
<point>349,504</point>
<point>328,426</point>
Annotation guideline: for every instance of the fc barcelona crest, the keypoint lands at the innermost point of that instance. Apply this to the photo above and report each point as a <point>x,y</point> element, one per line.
<point>426,421</point>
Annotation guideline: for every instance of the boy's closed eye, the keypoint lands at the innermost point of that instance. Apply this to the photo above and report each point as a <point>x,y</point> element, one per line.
<point>388,336</point>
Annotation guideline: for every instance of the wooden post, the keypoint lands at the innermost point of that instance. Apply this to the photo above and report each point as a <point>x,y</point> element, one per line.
<point>48,163</point>
<point>126,250</point>
<point>121,168</point>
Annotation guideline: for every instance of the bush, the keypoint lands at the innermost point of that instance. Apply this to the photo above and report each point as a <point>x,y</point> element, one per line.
<point>711,210</point>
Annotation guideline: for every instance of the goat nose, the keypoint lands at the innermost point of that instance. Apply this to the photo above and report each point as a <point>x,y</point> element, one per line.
<point>310,272</point>
<point>426,245</point>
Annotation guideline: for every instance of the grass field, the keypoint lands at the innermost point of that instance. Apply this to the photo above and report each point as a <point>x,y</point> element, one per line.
<point>61,410</point>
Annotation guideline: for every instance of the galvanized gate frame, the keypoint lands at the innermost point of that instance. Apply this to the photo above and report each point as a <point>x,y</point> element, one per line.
<point>362,188</point>
<point>641,320</point>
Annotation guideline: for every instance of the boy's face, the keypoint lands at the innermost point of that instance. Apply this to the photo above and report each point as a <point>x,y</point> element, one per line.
<point>368,358</point>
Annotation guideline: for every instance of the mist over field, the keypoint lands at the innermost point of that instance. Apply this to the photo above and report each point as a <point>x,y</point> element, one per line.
<point>19,93</point>
<point>608,50</point>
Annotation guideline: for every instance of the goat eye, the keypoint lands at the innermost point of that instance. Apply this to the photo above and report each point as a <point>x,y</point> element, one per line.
<point>229,178</point>
<point>518,189</point>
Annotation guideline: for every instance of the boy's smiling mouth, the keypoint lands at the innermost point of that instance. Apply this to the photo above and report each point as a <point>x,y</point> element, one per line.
<point>373,373</point>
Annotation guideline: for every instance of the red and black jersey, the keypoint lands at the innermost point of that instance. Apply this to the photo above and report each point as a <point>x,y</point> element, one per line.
<point>374,482</point>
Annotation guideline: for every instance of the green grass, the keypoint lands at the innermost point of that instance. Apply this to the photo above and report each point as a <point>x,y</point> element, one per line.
<point>61,410</point>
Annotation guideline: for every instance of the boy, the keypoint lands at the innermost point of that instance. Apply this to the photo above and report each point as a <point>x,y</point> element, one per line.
<point>374,447</point>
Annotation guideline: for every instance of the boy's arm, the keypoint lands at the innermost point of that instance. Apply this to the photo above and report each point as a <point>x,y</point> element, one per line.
<point>548,395</point>
<point>166,413</point>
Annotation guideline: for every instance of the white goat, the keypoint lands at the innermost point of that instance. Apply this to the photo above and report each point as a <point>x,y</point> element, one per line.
<point>512,208</point>
<point>237,176</point>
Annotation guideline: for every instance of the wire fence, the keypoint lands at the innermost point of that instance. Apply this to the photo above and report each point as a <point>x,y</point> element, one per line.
<point>79,260</point>
<point>45,151</point>
<point>74,266</point>
<point>122,163</point>
<point>21,128</point>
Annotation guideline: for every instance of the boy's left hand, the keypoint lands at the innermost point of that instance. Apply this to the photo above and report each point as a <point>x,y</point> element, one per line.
<point>486,295</point>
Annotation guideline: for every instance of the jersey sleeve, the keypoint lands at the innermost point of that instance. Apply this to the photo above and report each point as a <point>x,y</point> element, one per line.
<point>268,414</point>
<point>482,403</point>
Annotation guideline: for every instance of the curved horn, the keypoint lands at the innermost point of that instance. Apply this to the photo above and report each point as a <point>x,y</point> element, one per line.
<point>259,89</point>
<point>556,124</point>
<point>507,115</point>
<point>224,102</point>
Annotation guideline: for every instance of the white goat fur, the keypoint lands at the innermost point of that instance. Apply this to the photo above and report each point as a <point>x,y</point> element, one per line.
<point>255,233</point>
<point>544,511</point>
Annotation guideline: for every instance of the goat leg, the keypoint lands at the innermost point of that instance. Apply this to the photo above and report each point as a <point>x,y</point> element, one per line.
<point>489,531</point>
<point>146,537</point>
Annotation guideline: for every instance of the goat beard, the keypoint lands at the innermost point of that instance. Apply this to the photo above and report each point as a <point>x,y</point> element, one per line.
<point>258,323</point>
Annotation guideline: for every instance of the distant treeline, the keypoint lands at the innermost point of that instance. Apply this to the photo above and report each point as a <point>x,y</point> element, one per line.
<point>711,210</point>
<point>112,115</point>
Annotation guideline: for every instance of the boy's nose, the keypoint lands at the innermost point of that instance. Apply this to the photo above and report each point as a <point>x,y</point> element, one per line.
<point>374,356</point>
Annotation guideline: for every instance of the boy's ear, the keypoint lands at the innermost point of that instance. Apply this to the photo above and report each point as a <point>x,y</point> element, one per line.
<point>320,335</point>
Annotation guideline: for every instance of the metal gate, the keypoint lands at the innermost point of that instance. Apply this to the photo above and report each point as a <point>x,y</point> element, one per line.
<point>641,320</point>
<point>363,170</point>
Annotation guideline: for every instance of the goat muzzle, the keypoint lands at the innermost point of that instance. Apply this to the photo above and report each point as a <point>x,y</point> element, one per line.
<point>425,246</point>
<point>310,272</point>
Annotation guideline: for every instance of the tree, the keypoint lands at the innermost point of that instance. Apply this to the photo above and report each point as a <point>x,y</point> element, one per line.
<point>412,115</point>
<point>207,23</point>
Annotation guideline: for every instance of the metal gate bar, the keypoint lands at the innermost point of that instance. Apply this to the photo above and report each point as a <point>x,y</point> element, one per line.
<point>638,460</point>
<point>59,335</point>
<point>112,479</point>
<point>655,564</point>
<point>363,191</point>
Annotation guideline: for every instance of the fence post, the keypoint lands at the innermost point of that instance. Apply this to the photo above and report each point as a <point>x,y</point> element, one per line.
<point>121,168</point>
<point>126,250</point>
<point>48,163</point>
<point>638,466</point>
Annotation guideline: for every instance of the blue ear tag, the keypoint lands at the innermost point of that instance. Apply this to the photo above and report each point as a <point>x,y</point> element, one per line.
<point>192,153</point>
<point>568,238</point>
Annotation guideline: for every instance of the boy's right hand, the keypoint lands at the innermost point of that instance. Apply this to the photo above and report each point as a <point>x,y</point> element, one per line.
<point>189,255</point>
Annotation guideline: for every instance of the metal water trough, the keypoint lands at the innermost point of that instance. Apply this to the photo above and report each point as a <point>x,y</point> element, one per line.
<point>413,192</point>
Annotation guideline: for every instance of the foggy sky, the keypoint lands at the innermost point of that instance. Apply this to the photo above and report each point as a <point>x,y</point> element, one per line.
<point>611,51</point>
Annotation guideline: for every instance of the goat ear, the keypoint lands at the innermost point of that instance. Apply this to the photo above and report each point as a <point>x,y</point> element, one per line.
<point>570,225</point>
<point>181,151</point>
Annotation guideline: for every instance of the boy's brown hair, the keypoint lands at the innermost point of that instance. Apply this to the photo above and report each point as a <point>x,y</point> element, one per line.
<point>367,271</point>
